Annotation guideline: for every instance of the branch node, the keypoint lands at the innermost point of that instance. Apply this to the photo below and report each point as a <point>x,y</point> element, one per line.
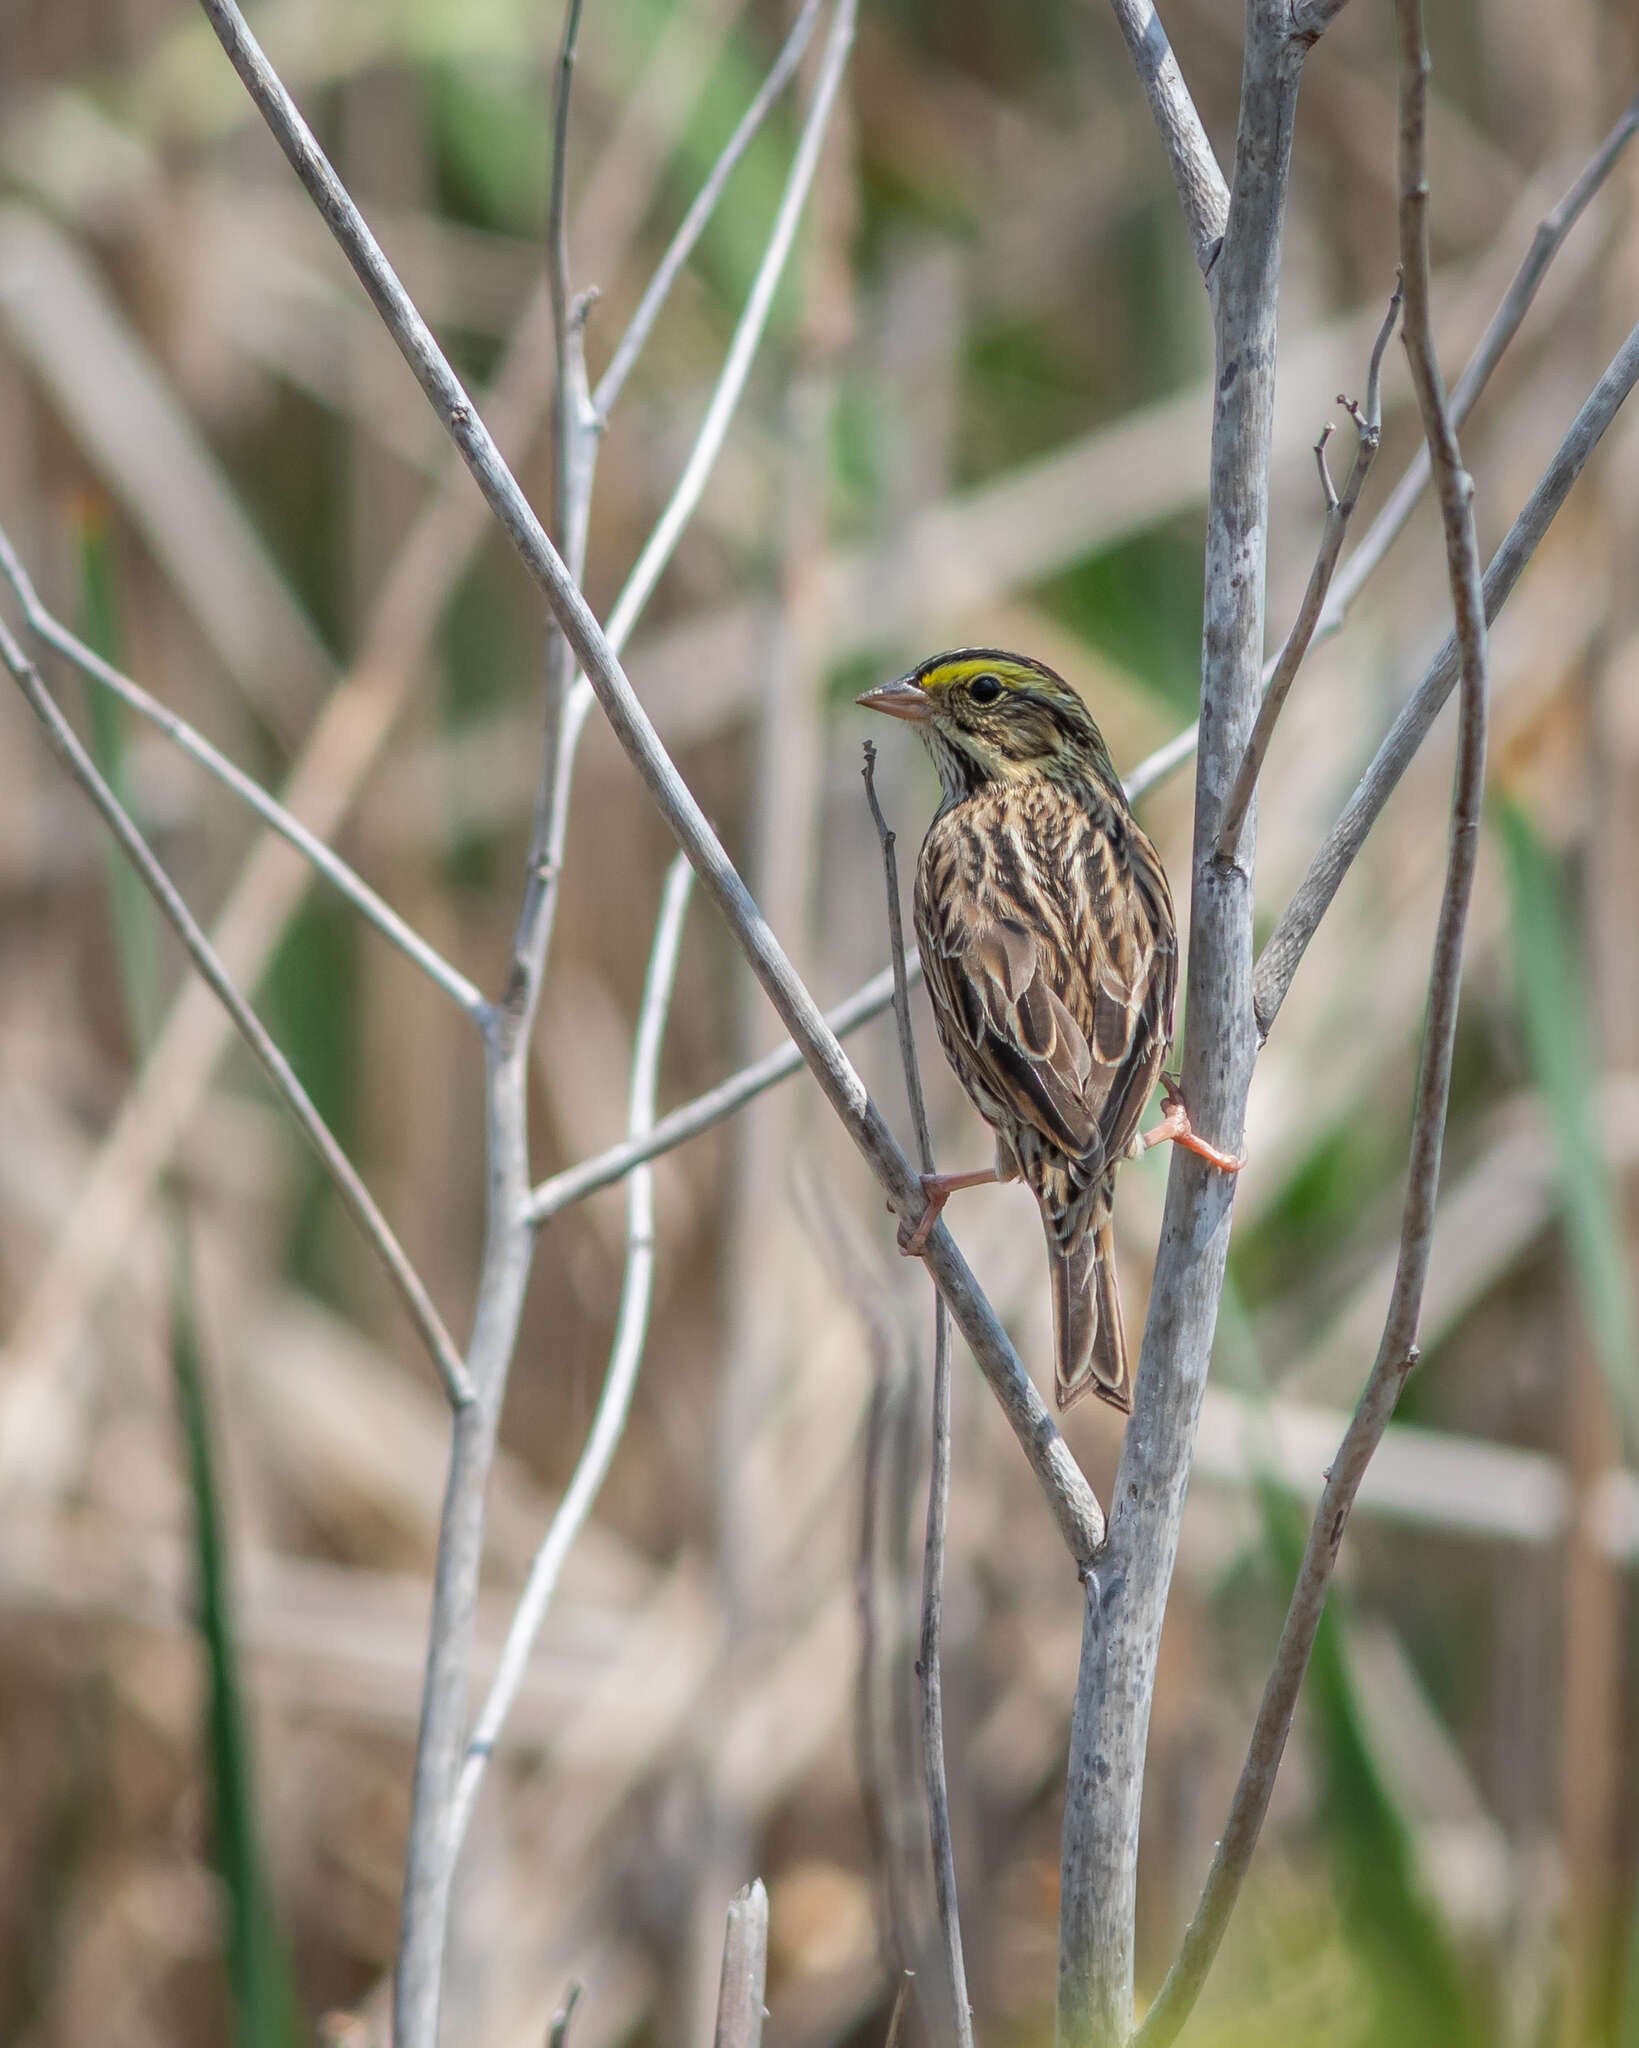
<point>1328,489</point>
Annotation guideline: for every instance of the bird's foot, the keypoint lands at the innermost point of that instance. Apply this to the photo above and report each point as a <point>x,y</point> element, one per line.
<point>937,1189</point>
<point>1176,1126</point>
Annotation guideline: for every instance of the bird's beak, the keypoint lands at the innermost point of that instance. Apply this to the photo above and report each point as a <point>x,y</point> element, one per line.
<point>900,700</point>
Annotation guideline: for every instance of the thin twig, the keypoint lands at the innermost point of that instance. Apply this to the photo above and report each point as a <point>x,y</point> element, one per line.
<point>1368,427</point>
<point>928,1670</point>
<point>1504,324</point>
<point>584,421</point>
<point>1300,920</point>
<point>693,223</point>
<point>322,787</point>
<point>1397,1351</point>
<point>1201,189</point>
<point>745,1969</point>
<point>1070,1498</point>
<point>885,1736</point>
<point>575,1183</point>
<point>509,1240</point>
<point>334,869</point>
<point>954,1976</point>
<point>574,422</point>
<point>355,1196</point>
<point>901,979</point>
<point>625,1357</point>
<point>1401,501</point>
<point>668,528</point>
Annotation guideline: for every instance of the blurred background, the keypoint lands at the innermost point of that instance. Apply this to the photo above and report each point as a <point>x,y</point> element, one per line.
<point>980,416</point>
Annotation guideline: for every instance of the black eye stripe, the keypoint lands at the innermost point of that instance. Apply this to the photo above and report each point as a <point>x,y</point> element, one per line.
<point>985,689</point>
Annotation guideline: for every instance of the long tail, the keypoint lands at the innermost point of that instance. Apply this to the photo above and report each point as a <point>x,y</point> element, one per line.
<point>1089,1344</point>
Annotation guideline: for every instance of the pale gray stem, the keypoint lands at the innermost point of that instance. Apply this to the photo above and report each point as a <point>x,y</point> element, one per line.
<point>436,1816</point>
<point>625,1357</point>
<point>1070,1498</point>
<point>583,422</point>
<point>1312,18</point>
<point>1201,189</point>
<point>355,1196</point>
<point>745,1969</point>
<point>1127,1587</point>
<point>956,2015</point>
<point>930,1673</point>
<point>1368,426</point>
<point>1505,323</point>
<point>668,529</point>
<point>693,224</point>
<point>1397,1351</point>
<point>575,1183</point>
<point>334,869</point>
<point>1397,508</point>
<point>1300,920</point>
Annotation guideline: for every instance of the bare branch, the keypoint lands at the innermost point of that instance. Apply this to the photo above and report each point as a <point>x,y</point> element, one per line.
<point>1368,426</point>
<point>1073,1504</point>
<point>574,423</point>
<point>930,1674</point>
<point>901,978</point>
<point>693,223</point>
<point>1312,18</point>
<point>1301,918</point>
<point>668,529</point>
<point>953,1979</point>
<point>625,1357</point>
<point>1201,189</point>
<point>1127,1588</point>
<point>1397,508</point>
<point>583,422</point>
<point>745,1969</point>
<point>885,1732</point>
<point>334,869</point>
<point>575,1183</point>
<point>355,1196</point>
<point>1505,323</point>
<point>437,1809</point>
<point>1397,1351</point>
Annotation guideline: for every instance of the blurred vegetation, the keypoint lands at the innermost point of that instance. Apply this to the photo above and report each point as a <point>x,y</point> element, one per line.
<point>993,283</point>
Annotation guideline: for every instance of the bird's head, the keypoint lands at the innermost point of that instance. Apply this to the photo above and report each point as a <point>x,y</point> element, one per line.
<point>988,716</point>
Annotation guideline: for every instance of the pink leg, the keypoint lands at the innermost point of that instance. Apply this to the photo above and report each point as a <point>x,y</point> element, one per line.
<point>1175,1124</point>
<point>937,1189</point>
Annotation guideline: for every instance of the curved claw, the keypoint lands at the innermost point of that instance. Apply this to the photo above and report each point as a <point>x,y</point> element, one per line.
<point>1175,1125</point>
<point>937,1189</point>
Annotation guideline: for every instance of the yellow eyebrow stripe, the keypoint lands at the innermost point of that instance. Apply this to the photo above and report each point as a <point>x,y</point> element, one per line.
<point>964,671</point>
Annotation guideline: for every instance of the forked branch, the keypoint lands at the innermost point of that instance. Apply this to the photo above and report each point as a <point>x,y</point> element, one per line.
<point>342,878</point>
<point>1070,1498</point>
<point>1202,193</point>
<point>356,1197</point>
<point>1397,1351</point>
<point>1367,420</point>
<point>625,1357</point>
<point>1300,920</point>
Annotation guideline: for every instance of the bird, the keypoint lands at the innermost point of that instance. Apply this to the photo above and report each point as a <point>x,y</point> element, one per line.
<point>1050,952</point>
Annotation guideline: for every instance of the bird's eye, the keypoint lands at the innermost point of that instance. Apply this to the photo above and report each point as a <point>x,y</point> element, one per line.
<point>985,689</point>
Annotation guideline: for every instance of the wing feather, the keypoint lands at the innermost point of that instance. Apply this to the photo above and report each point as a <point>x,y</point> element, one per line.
<point>1060,986</point>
